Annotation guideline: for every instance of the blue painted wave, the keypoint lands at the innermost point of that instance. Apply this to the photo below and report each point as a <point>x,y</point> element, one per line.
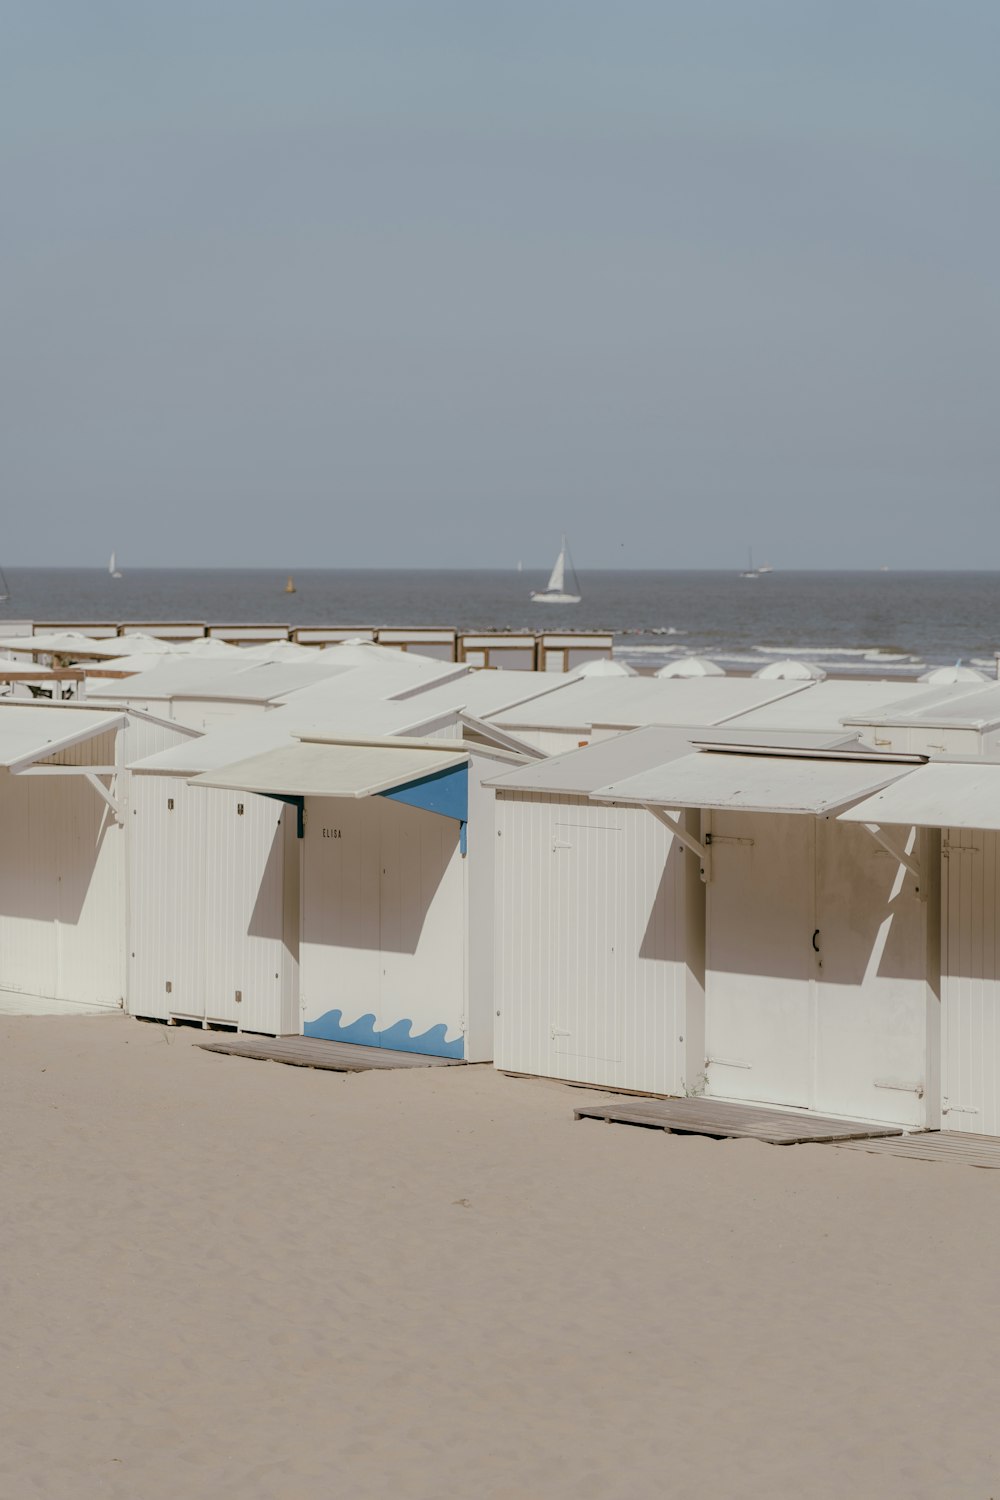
<point>398,1036</point>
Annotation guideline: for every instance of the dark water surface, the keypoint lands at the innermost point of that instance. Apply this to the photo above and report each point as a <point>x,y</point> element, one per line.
<point>874,623</point>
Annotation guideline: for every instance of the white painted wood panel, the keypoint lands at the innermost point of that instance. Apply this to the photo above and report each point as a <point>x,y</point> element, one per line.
<point>382,953</point>
<point>593,977</point>
<point>970,982</point>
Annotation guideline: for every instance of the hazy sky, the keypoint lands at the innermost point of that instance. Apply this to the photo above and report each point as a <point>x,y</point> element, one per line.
<point>293,282</point>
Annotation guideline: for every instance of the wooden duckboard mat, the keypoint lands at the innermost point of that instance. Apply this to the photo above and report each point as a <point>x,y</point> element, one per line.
<point>715,1117</point>
<point>938,1145</point>
<point>313,1052</point>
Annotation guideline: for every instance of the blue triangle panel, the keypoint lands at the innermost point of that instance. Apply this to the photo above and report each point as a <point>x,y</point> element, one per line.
<point>446,792</point>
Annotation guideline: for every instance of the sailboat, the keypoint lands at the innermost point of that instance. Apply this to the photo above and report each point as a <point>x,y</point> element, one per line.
<point>113,566</point>
<point>290,585</point>
<point>750,571</point>
<point>556,592</point>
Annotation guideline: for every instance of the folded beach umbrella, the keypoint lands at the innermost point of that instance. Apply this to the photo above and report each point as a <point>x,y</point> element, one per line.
<point>691,666</point>
<point>791,671</point>
<point>942,676</point>
<point>603,667</point>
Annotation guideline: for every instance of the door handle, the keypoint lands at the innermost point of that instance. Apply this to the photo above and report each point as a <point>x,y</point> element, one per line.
<point>815,944</point>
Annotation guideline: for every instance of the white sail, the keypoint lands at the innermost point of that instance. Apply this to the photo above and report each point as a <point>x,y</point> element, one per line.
<point>113,567</point>
<point>555,592</point>
<point>557,578</point>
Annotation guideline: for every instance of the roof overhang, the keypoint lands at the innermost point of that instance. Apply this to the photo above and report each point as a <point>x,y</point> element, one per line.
<point>739,782</point>
<point>939,795</point>
<point>316,767</point>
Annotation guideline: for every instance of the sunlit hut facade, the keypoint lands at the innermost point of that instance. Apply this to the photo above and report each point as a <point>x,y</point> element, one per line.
<point>394,873</point>
<point>64,812</point>
<point>822,962</point>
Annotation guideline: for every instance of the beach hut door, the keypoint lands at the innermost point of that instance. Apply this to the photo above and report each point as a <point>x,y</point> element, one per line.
<point>586,1017</point>
<point>762,954</point>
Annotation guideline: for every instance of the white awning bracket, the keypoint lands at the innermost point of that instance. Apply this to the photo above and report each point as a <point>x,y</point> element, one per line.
<point>701,851</point>
<point>909,861</point>
<point>107,795</point>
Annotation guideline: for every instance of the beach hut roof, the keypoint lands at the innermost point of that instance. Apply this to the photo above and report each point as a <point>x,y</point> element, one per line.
<point>691,666</point>
<point>629,702</point>
<point>484,693</point>
<point>825,705</point>
<point>792,669</point>
<point>581,772</point>
<point>338,768</point>
<point>963,705</point>
<point>258,733</point>
<point>740,782</point>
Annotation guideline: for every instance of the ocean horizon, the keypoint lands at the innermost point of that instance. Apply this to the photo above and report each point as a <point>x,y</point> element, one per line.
<point>869,623</point>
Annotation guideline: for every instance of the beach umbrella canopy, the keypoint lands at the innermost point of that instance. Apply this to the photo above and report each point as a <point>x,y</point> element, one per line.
<point>791,671</point>
<point>281,651</point>
<point>604,667</point>
<point>691,666</point>
<point>205,646</point>
<point>943,676</point>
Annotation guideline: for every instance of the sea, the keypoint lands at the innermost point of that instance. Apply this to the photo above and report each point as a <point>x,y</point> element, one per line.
<point>852,624</point>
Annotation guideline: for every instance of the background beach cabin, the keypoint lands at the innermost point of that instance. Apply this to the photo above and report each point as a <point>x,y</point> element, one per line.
<point>961,804</point>
<point>441,643</point>
<point>385,890</point>
<point>599,944</point>
<point>852,705</point>
<point>563,651</point>
<point>512,651</point>
<point>331,635</point>
<point>166,630</point>
<point>64,808</point>
<point>582,710</point>
<point>956,719</point>
<point>821,947</point>
<point>248,634</point>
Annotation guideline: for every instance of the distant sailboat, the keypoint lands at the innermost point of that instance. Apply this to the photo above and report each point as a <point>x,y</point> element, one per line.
<point>290,585</point>
<point>4,589</point>
<point>765,568</point>
<point>113,566</point>
<point>556,592</point>
<point>750,571</point>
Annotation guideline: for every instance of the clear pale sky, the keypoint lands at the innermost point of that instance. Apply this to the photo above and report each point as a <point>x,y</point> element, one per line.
<point>427,283</point>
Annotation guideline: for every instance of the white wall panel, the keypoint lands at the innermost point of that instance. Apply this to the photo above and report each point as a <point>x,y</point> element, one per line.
<point>970,982</point>
<point>62,892</point>
<point>382,955</point>
<point>208,907</point>
<point>592,975</point>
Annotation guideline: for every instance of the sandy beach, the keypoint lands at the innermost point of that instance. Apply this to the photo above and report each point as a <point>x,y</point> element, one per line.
<point>228,1278</point>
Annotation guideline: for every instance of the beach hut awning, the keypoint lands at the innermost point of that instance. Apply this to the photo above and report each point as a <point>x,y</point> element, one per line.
<point>30,733</point>
<point>740,782</point>
<point>941,795</point>
<point>338,768</point>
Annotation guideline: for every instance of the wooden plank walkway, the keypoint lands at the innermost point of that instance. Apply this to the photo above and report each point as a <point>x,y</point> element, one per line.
<point>722,1120</point>
<point>313,1052</point>
<point>937,1145</point>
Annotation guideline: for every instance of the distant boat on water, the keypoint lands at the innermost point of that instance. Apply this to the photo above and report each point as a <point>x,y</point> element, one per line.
<point>750,571</point>
<point>765,568</point>
<point>113,566</point>
<point>557,592</point>
<point>290,585</point>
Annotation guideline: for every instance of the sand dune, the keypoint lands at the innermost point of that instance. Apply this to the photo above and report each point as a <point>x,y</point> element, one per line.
<point>224,1278</point>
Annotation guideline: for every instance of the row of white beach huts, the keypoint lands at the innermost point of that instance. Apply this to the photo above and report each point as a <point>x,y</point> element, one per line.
<point>768,891</point>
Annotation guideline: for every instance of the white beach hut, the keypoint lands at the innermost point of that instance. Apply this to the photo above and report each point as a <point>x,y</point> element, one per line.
<point>821,937</point>
<point>583,710</point>
<point>64,806</point>
<point>387,895</point>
